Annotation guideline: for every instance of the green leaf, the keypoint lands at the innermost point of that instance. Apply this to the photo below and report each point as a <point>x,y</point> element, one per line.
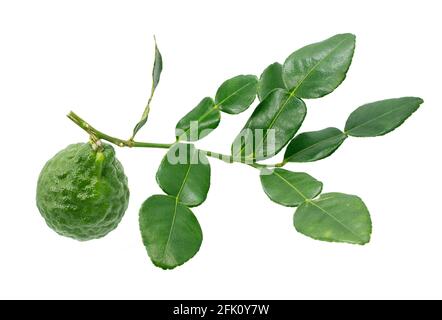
<point>381,117</point>
<point>334,217</point>
<point>314,145</point>
<point>317,69</point>
<point>206,117</point>
<point>157,67</point>
<point>156,73</point>
<point>184,173</point>
<point>237,94</point>
<point>271,126</point>
<point>270,79</point>
<point>170,231</point>
<point>289,188</point>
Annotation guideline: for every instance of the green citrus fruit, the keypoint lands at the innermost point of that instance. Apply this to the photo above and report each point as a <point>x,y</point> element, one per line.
<point>82,193</point>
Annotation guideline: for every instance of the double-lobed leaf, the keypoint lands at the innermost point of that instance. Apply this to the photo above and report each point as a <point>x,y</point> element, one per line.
<point>156,74</point>
<point>170,231</point>
<point>314,145</point>
<point>381,117</point>
<point>271,126</point>
<point>289,188</point>
<point>199,122</point>
<point>334,217</point>
<point>233,96</point>
<point>270,79</point>
<point>236,94</point>
<point>317,69</point>
<point>184,173</point>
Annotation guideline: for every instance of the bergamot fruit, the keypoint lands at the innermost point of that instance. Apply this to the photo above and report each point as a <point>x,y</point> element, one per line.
<point>82,193</point>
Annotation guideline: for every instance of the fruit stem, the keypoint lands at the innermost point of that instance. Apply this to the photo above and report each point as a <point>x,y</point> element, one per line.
<point>119,142</point>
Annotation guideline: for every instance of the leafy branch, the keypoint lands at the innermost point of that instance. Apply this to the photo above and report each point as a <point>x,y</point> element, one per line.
<point>171,232</point>
<point>99,135</point>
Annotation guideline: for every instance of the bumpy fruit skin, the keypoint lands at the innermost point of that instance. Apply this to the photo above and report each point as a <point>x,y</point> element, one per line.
<point>83,193</point>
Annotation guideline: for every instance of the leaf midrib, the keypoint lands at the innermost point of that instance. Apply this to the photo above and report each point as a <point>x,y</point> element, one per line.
<point>316,144</point>
<point>291,185</point>
<point>175,211</point>
<point>204,116</point>
<point>272,123</point>
<point>337,220</point>
<point>232,94</point>
<point>381,116</point>
<point>317,65</point>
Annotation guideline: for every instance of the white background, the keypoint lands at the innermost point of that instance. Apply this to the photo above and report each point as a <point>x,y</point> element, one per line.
<point>95,57</point>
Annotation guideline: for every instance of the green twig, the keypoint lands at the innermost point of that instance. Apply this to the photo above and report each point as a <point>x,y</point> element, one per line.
<point>223,157</point>
<point>230,159</point>
<point>97,135</point>
<point>117,141</point>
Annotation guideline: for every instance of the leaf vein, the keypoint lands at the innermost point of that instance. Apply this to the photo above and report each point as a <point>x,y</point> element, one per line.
<point>317,65</point>
<point>204,116</point>
<point>315,144</point>
<point>337,220</point>
<point>291,185</point>
<point>172,227</point>
<point>380,116</point>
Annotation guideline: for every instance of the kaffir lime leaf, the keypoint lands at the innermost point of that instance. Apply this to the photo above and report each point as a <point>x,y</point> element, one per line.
<point>82,193</point>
